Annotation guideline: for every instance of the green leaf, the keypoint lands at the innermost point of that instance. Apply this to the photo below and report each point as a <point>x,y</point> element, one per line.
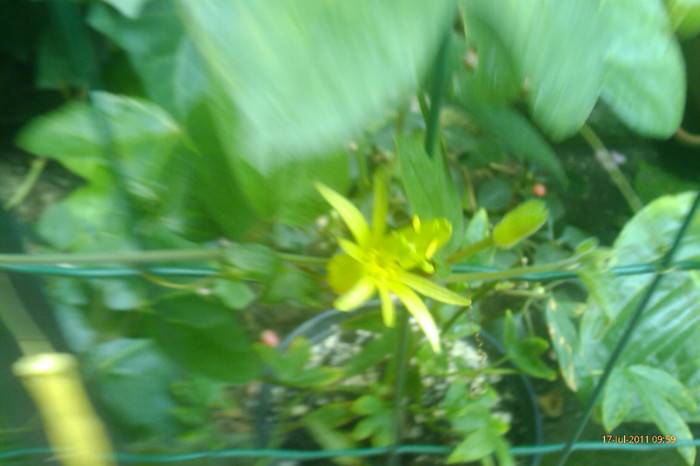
<point>477,230</point>
<point>509,332</point>
<point>527,356</point>
<point>617,398</point>
<point>367,404</point>
<point>291,367</point>
<point>626,47</point>
<point>291,285</point>
<point>122,294</point>
<point>667,419</point>
<point>372,353</point>
<point>495,79</point>
<point>342,64</point>
<point>667,336</point>
<point>523,139</point>
<point>565,343</point>
<point>379,425</point>
<point>429,187</point>
<point>134,380</point>
<point>236,295</point>
<point>503,453</point>
<point>163,56</point>
<point>323,425</point>
<point>520,223</point>
<point>685,17</point>
<point>532,35</point>
<point>525,353</point>
<point>78,334</point>
<point>214,184</point>
<point>662,383</point>
<point>129,8</point>
<point>255,261</point>
<point>645,79</point>
<point>342,70</point>
<point>205,338</point>
<point>91,218</point>
<point>142,133</point>
<point>475,446</point>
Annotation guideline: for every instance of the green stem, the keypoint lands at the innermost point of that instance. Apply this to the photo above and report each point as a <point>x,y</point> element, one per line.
<point>686,137</point>
<point>30,339</point>
<point>28,183</point>
<point>477,295</point>
<point>423,103</point>
<point>362,165</point>
<point>401,349</point>
<point>618,178</point>
<point>509,273</point>
<point>140,257</point>
<point>470,249</point>
<point>120,257</point>
<point>303,260</point>
<point>436,91</point>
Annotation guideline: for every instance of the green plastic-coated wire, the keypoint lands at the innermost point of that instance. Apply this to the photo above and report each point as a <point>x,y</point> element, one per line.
<point>525,450</point>
<point>119,272</point>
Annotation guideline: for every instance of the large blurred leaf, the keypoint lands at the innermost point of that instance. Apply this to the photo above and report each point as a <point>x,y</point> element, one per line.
<point>162,54</point>
<point>306,76</point>
<point>294,82</point>
<point>685,16</point>
<point>549,43</point>
<point>143,134</point>
<point>90,218</point>
<point>288,194</point>
<point>645,75</point>
<point>429,187</point>
<point>623,49</point>
<point>148,144</point>
<point>214,186</point>
<point>495,78</point>
<point>129,8</point>
<point>667,337</point>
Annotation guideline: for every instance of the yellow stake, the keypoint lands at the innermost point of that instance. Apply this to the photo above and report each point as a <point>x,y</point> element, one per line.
<point>74,430</point>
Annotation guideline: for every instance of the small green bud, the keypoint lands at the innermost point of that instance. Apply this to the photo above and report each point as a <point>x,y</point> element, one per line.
<point>520,223</point>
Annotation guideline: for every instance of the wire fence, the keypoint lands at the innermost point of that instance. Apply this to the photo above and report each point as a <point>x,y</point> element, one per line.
<point>659,269</point>
<point>358,452</point>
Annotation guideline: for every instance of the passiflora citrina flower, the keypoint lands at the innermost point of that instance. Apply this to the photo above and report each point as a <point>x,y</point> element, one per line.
<point>379,261</point>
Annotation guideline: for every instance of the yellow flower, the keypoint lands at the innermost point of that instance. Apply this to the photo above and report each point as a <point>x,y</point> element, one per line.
<point>379,261</point>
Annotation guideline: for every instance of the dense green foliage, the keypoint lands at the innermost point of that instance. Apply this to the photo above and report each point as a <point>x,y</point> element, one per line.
<point>211,124</point>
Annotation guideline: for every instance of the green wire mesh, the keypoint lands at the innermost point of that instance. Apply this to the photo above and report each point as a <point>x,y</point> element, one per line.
<point>194,272</point>
<point>360,452</point>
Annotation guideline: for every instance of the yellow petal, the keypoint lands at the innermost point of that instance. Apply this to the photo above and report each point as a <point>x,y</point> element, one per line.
<point>431,289</point>
<point>388,313</point>
<point>352,249</point>
<point>343,272</point>
<point>416,307</point>
<point>348,212</point>
<point>358,294</point>
<point>380,205</point>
